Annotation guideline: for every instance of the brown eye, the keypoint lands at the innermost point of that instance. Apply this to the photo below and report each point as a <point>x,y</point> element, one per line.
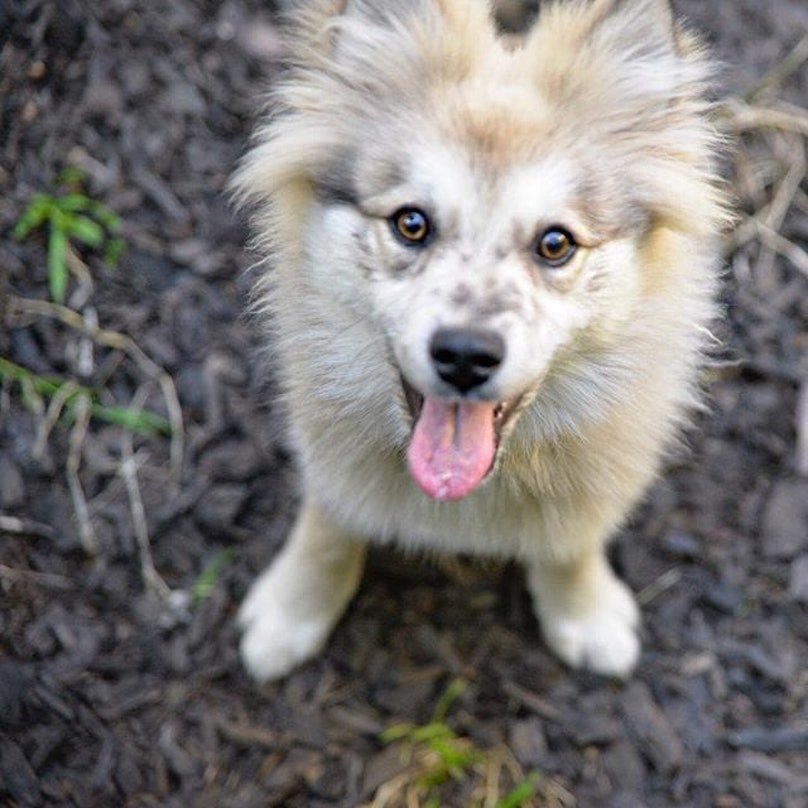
<point>555,247</point>
<point>411,226</point>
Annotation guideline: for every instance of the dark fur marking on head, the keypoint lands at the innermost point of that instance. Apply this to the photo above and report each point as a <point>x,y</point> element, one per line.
<point>336,183</point>
<point>335,195</point>
<point>500,302</point>
<point>461,296</point>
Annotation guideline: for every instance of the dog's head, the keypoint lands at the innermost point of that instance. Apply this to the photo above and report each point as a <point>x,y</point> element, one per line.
<point>497,208</point>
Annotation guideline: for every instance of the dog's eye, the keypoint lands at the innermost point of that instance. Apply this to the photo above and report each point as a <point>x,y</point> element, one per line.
<point>554,247</point>
<point>411,226</point>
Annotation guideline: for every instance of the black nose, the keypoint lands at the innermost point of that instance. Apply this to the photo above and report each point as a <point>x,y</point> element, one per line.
<point>465,357</point>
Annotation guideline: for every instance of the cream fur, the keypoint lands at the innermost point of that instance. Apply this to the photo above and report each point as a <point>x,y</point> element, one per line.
<point>596,122</point>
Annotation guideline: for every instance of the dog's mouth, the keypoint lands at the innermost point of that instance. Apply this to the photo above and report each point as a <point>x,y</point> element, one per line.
<point>454,444</point>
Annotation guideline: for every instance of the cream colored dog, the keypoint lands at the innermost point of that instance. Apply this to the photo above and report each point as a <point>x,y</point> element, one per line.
<point>492,267</point>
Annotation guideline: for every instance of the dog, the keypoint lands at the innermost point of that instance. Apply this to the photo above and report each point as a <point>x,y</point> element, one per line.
<point>493,267</point>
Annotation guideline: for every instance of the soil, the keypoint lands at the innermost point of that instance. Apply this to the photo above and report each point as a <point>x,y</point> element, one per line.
<point>114,692</point>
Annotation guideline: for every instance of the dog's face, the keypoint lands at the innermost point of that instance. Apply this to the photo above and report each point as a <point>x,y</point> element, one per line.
<point>480,271</point>
<point>487,207</point>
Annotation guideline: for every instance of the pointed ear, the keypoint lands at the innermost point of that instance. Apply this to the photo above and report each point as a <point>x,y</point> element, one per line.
<point>642,24</point>
<point>632,48</point>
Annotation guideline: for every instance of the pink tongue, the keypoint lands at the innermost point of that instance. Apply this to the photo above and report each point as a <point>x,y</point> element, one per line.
<point>452,447</point>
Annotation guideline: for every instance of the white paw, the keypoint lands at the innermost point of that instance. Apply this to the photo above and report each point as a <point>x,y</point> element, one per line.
<point>274,644</point>
<point>604,640</point>
<point>276,639</point>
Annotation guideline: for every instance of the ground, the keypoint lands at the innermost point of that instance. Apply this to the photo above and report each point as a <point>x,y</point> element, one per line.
<point>117,691</point>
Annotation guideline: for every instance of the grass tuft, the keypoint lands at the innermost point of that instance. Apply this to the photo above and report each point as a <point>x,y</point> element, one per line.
<point>70,217</point>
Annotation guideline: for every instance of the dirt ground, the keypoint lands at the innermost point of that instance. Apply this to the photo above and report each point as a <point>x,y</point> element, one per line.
<point>117,691</point>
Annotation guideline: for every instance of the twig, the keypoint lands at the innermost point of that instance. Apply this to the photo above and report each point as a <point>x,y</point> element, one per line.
<point>787,190</point>
<point>44,578</point>
<point>81,272</point>
<point>177,445</point>
<point>782,246</point>
<point>801,459</point>
<point>742,117</point>
<point>52,415</point>
<point>85,361</point>
<point>128,471</point>
<point>77,435</point>
<point>24,527</point>
<point>659,586</point>
<point>244,734</point>
<point>496,760</point>
<point>124,343</point>
<point>533,702</point>
<point>781,71</point>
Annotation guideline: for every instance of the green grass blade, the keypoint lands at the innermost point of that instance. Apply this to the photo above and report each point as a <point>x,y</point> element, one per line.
<point>206,582</point>
<point>104,215</point>
<point>397,732</point>
<point>57,263</point>
<point>142,421</point>
<point>449,697</point>
<point>115,246</point>
<point>34,215</point>
<point>428,733</point>
<point>72,175</point>
<point>75,203</point>
<point>85,230</point>
<point>521,794</point>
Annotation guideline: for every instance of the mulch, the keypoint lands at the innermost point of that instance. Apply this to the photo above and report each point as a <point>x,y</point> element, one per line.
<point>120,682</point>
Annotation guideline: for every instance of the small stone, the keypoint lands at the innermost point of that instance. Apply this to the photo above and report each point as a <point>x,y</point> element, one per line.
<point>769,768</point>
<point>220,506</point>
<point>624,766</point>
<point>37,70</point>
<point>528,743</point>
<point>234,461</point>
<point>103,98</point>
<point>798,579</point>
<point>653,731</point>
<point>785,520</point>
<point>763,739</point>
<point>18,778</point>
<point>724,596</point>
<point>680,544</point>
<point>12,487</point>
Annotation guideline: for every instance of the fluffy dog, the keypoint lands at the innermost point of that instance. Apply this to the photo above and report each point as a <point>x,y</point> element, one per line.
<point>492,269</point>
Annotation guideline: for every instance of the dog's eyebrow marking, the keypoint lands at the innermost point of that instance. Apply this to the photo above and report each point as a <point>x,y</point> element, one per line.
<point>336,183</point>
<point>333,193</point>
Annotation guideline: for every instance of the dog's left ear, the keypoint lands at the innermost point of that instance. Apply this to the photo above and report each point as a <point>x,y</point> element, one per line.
<point>631,47</point>
<point>643,27</point>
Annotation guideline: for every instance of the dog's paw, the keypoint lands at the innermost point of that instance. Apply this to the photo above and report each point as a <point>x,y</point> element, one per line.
<point>604,639</point>
<point>274,644</point>
<point>275,639</point>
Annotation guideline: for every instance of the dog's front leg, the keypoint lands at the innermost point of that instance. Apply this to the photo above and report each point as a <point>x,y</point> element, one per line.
<point>291,609</point>
<point>589,617</point>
